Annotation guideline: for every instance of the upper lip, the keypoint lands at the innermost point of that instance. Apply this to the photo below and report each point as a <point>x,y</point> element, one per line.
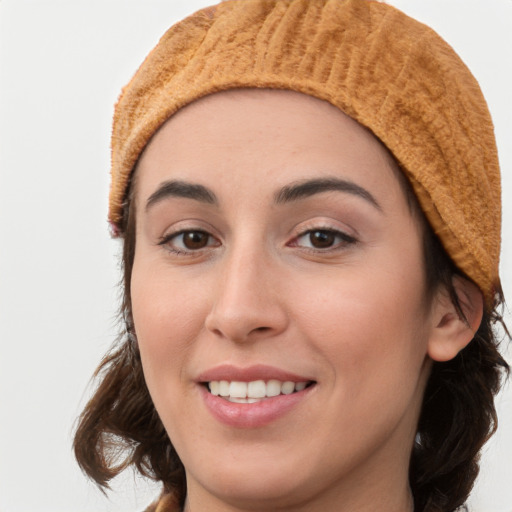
<point>248,374</point>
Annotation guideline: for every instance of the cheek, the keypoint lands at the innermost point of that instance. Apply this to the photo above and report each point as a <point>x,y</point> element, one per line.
<point>370,325</point>
<point>374,339</point>
<point>168,315</point>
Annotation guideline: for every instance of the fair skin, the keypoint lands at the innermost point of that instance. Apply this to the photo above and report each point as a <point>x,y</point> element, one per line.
<point>297,259</point>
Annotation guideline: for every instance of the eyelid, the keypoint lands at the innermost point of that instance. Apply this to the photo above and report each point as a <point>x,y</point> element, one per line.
<point>347,236</point>
<point>165,241</point>
<point>184,225</point>
<point>324,224</point>
<point>347,239</point>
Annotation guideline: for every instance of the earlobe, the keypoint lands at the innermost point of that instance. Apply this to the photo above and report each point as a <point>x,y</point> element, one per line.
<point>452,332</point>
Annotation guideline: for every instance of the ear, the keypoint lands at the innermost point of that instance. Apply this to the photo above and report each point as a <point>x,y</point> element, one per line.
<point>451,332</point>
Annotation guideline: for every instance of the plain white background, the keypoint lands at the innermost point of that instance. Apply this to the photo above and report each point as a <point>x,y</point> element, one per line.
<point>62,65</point>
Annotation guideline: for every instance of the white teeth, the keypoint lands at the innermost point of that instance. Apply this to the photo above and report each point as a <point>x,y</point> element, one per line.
<point>300,386</point>
<point>273,388</point>
<point>254,391</point>
<point>224,388</point>
<point>257,389</point>
<point>238,389</point>
<point>237,400</point>
<point>214,387</point>
<point>242,400</point>
<point>288,388</point>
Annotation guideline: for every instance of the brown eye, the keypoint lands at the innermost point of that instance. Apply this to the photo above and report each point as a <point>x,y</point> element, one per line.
<point>322,239</point>
<point>188,241</point>
<point>194,240</point>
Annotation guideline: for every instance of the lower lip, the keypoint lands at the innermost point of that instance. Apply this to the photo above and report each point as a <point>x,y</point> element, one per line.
<point>253,415</point>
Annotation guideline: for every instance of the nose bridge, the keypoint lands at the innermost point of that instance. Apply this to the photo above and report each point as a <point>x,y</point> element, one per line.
<point>247,302</point>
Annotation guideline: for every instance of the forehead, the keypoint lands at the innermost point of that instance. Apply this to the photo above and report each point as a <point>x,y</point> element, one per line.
<point>267,138</point>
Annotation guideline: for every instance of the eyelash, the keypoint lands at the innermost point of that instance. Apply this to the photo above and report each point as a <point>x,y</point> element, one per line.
<point>344,240</point>
<point>167,241</point>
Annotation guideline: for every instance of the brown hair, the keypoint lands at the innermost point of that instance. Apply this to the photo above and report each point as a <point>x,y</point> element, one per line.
<point>120,427</point>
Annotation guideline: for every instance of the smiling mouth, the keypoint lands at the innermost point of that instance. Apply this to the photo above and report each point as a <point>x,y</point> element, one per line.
<point>254,391</point>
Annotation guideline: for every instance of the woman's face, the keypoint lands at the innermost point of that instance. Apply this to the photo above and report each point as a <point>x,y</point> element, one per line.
<point>276,255</point>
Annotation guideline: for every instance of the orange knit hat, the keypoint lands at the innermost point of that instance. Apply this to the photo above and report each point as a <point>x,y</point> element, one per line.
<point>387,71</point>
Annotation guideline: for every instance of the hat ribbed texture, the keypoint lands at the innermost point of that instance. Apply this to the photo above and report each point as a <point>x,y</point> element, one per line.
<point>389,72</point>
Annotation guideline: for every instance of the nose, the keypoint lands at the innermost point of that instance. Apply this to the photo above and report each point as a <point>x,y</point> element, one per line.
<point>247,303</point>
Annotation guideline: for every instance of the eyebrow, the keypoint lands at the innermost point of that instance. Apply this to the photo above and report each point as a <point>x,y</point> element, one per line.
<point>308,188</point>
<point>177,188</point>
<point>288,194</point>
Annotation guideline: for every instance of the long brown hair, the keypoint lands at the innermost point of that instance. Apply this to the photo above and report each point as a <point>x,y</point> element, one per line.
<point>120,427</point>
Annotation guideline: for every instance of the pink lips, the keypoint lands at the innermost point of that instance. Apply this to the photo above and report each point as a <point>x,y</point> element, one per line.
<point>256,414</point>
<point>256,372</point>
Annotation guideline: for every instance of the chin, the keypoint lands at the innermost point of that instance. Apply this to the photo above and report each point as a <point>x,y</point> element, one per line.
<point>253,488</point>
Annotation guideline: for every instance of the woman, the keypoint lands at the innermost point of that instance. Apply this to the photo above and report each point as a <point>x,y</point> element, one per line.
<point>310,284</point>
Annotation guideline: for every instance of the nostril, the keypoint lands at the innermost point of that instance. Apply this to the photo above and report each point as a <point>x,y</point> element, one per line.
<point>242,322</point>
<point>262,329</point>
